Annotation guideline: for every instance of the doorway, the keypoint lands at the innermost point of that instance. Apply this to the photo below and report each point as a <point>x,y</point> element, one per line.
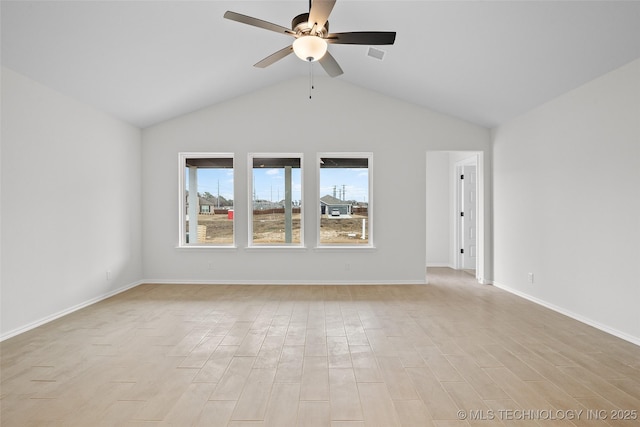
<point>455,231</point>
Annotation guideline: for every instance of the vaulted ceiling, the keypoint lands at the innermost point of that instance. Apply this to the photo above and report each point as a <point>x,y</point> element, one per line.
<point>482,61</point>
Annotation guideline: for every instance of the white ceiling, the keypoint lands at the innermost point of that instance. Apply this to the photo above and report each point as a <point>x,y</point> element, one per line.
<point>486,62</point>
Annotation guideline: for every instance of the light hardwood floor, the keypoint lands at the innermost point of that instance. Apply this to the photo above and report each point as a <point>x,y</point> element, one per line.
<point>339,356</point>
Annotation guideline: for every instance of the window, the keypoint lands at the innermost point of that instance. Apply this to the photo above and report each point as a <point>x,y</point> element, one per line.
<point>276,200</point>
<point>206,199</point>
<point>345,199</point>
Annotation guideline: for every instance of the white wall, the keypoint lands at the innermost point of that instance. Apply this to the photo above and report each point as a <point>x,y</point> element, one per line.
<point>70,204</point>
<point>567,203</point>
<point>340,117</point>
<point>439,209</point>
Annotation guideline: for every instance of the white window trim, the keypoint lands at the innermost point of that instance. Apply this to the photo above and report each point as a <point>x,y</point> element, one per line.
<point>369,156</point>
<point>250,244</point>
<point>182,244</point>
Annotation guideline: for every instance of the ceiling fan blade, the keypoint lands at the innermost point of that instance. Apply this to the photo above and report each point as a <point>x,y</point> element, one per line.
<point>330,65</point>
<point>362,37</point>
<point>274,57</point>
<point>320,10</point>
<point>257,22</point>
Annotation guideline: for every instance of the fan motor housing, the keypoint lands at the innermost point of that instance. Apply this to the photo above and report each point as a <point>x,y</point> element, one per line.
<point>300,24</point>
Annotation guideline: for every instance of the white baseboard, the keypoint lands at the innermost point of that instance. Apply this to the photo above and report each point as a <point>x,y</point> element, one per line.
<point>578,317</point>
<point>69,310</point>
<point>284,282</point>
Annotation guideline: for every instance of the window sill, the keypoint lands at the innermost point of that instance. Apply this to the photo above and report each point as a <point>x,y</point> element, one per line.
<point>275,247</point>
<point>345,247</point>
<point>218,247</point>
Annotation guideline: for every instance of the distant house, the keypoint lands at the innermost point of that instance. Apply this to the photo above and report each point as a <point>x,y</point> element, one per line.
<point>206,206</point>
<point>329,203</point>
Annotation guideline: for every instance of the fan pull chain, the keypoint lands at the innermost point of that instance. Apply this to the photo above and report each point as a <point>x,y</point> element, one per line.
<point>311,85</point>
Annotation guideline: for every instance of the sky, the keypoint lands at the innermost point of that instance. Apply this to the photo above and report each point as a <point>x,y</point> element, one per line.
<point>355,182</point>
<point>269,183</point>
<point>214,180</point>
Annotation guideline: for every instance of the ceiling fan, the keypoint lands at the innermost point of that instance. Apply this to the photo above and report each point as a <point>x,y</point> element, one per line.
<point>311,33</point>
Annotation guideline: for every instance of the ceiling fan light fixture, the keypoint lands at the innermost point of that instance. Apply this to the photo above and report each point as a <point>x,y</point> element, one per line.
<point>310,48</point>
<point>311,33</point>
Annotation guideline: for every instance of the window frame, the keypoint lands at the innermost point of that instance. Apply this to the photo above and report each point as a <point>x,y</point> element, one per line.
<point>182,199</point>
<point>250,188</point>
<point>369,228</point>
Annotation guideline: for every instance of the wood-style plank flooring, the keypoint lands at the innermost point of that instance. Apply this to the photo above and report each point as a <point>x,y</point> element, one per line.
<point>451,353</point>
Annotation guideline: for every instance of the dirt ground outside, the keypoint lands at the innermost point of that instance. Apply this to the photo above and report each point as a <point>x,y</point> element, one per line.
<point>269,228</point>
<point>343,229</point>
<point>219,228</point>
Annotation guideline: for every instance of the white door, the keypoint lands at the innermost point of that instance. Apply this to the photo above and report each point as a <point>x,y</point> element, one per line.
<point>468,217</point>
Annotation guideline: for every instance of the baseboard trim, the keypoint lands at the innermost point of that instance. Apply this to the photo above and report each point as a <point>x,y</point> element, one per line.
<point>69,310</point>
<point>568,313</point>
<point>284,282</point>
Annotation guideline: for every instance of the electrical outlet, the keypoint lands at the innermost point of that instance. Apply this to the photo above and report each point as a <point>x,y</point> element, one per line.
<point>530,277</point>
<point>108,274</point>
<point>347,267</point>
<point>212,266</point>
